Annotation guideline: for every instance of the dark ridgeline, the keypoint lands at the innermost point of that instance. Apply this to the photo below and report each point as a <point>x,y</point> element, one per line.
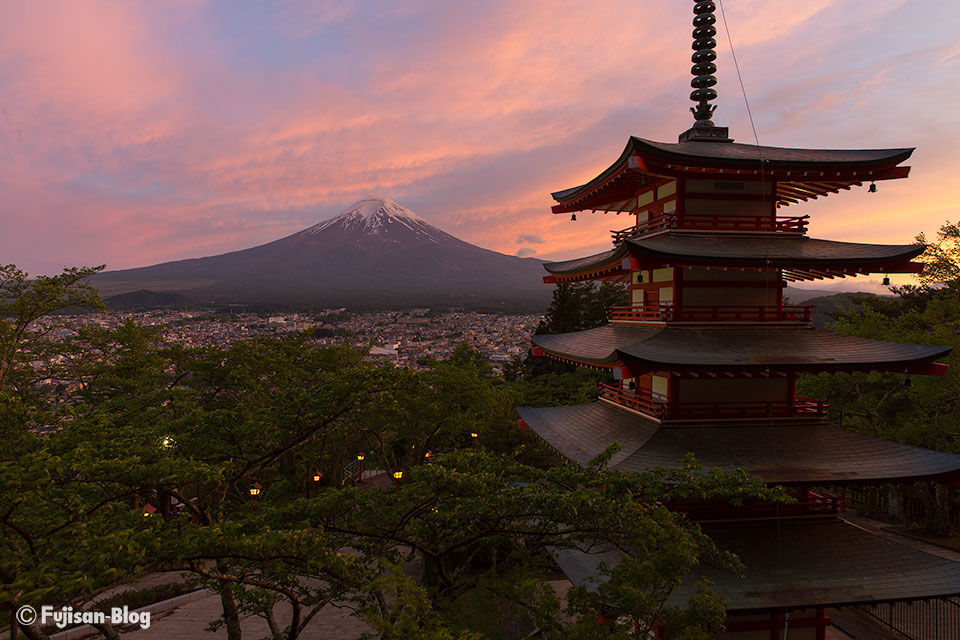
<point>705,361</point>
<point>375,254</point>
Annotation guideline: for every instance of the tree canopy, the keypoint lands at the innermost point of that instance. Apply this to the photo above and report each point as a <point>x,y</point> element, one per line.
<point>150,464</point>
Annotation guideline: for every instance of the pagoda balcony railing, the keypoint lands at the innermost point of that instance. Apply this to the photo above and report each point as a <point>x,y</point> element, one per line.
<point>697,313</point>
<point>710,222</point>
<point>638,400</point>
<point>800,407</point>
<point>643,401</point>
<point>814,504</point>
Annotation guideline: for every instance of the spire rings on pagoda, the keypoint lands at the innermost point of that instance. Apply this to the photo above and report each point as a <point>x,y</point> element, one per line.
<point>704,54</point>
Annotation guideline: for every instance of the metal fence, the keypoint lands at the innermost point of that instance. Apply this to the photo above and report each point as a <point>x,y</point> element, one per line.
<point>913,505</point>
<point>934,619</point>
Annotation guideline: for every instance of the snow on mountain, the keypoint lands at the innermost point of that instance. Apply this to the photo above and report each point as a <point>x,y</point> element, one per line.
<point>377,215</point>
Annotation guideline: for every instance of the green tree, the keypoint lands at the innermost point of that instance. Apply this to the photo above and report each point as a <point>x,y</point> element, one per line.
<point>480,527</point>
<point>942,257</point>
<point>581,305</point>
<point>190,432</point>
<point>66,528</point>
<point>917,410</point>
<point>26,338</point>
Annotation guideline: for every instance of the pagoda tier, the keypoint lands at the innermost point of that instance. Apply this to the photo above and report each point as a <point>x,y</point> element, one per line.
<point>802,452</point>
<point>706,356</point>
<point>803,565</point>
<point>790,257</point>
<point>635,350</point>
<point>792,175</point>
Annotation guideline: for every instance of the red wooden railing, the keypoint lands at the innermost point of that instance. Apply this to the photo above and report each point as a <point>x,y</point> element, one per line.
<point>638,400</point>
<point>639,313</point>
<point>803,407</point>
<point>815,504</point>
<point>657,223</point>
<point>642,400</point>
<point>697,313</point>
<point>707,222</point>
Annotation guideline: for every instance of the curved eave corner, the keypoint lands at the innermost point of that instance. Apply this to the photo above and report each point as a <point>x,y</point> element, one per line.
<point>612,362</point>
<point>609,264</point>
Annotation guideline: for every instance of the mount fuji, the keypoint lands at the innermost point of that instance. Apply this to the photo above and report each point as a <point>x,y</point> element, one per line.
<point>374,254</point>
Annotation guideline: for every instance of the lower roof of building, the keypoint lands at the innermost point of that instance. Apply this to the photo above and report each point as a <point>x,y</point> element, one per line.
<point>719,347</point>
<point>777,453</point>
<point>785,250</point>
<point>796,565</point>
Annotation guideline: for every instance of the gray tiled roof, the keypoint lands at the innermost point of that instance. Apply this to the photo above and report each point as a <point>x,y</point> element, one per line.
<point>579,264</point>
<point>735,154</point>
<point>790,251</point>
<point>782,453</point>
<point>801,564</point>
<point>582,432</point>
<point>733,347</point>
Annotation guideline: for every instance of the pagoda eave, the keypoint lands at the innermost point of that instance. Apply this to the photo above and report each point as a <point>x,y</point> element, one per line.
<point>800,174</point>
<point>723,348</point>
<point>800,565</point>
<point>790,453</point>
<point>800,257</point>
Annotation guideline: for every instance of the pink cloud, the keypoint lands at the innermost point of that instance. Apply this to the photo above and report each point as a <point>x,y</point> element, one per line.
<point>138,133</point>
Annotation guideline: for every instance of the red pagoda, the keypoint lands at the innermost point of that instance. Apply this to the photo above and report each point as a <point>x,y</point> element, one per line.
<point>705,361</point>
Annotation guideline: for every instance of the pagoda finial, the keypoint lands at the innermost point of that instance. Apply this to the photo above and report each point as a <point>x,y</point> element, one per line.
<point>703,78</point>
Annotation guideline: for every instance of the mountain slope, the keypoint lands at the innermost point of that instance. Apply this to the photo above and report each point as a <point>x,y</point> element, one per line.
<point>376,253</point>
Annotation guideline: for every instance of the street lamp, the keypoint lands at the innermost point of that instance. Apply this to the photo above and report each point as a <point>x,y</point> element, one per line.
<point>317,476</point>
<point>473,436</point>
<point>396,476</point>
<point>427,455</point>
<point>360,457</point>
<point>255,490</point>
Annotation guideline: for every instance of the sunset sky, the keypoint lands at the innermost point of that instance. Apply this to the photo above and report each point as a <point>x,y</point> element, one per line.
<point>133,133</point>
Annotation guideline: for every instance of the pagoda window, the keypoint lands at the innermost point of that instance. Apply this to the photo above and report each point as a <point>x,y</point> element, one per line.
<point>696,207</point>
<point>728,204</point>
<point>730,297</point>
<point>667,189</point>
<point>761,289</point>
<point>694,390</point>
<point>644,200</point>
<point>666,295</point>
<point>658,387</point>
<point>662,275</point>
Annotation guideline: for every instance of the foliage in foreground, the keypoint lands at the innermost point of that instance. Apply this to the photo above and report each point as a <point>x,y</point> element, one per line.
<point>185,434</point>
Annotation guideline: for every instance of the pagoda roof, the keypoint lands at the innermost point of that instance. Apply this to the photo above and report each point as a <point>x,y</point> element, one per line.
<point>778,453</point>
<point>793,565</point>
<point>816,171</point>
<point>717,347</point>
<point>801,257</point>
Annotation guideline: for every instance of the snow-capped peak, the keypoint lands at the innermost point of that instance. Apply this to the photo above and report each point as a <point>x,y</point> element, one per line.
<point>375,207</point>
<point>373,215</point>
